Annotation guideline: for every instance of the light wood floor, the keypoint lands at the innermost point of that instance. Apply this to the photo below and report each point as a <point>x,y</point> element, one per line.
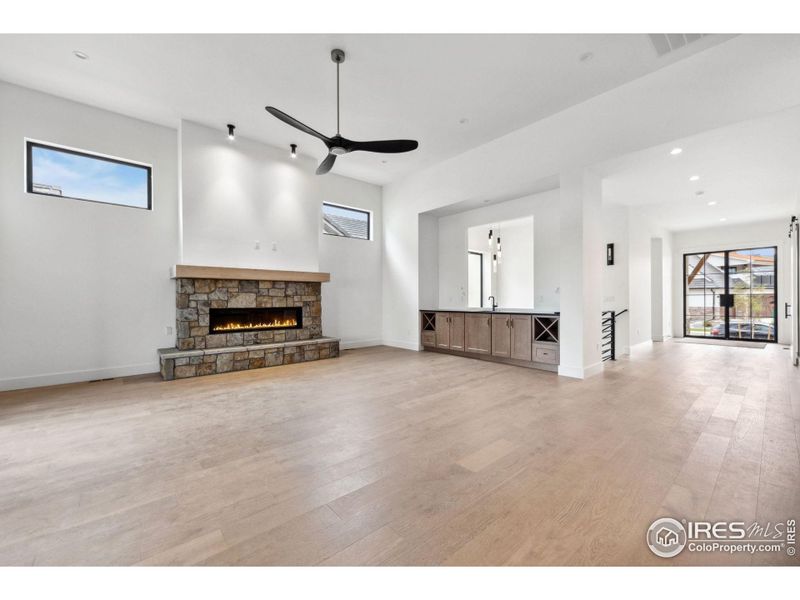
<point>386,456</point>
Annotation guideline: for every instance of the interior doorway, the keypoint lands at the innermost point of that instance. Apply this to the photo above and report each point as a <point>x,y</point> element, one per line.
<point>731,294</point>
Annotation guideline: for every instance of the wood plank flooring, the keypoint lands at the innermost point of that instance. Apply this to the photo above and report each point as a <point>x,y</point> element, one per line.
<point>391,457</point>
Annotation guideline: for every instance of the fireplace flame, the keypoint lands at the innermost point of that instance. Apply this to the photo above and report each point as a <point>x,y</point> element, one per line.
<point>275,324</point>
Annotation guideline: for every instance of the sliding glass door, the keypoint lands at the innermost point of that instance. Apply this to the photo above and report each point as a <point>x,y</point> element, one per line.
<point>731,294</point>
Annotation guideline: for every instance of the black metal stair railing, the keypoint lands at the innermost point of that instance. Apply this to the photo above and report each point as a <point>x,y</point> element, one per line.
<point>609,334</point>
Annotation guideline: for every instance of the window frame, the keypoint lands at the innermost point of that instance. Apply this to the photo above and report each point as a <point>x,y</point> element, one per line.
<point>30,144</point>
<point>353,209</point>
<point>481,255</point>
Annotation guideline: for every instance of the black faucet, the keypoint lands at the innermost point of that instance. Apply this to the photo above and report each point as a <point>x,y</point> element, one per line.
<point>494,303</point>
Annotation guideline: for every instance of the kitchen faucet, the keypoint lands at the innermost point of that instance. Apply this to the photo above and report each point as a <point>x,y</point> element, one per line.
<point>494,303</point>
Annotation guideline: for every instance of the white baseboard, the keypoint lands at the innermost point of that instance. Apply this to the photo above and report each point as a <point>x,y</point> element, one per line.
<point>351,344</point>
<point>402,344</point>
<point>32,381</point>
<point>580,372</point>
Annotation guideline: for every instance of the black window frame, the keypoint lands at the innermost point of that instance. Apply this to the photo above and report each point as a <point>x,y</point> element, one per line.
<point>31,144</point>
<point>481,256</point>
<point>352,209</point>
<point>727,293</point>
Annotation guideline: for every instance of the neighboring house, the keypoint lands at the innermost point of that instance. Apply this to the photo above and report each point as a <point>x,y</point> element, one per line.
<point>747,274</point>
<point>43,188</point>
<point>345,226</point>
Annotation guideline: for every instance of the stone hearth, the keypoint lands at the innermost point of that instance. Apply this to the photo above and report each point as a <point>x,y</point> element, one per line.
<point>199,351</point>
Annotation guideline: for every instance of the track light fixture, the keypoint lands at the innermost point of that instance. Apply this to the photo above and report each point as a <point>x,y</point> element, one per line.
<point>231,135</point>
<point>294,150</point>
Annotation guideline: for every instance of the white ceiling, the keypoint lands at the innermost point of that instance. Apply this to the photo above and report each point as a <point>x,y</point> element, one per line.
<point>750,169</point>
<point>393,86</point>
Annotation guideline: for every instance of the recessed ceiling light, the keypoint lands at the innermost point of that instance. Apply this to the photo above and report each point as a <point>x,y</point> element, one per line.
<point>586,56</point>
<point>699,193</point>
<point>463,121</point>
<point>80,54</point>
<point>694,177</point>
<point>384,161</point>
<point>712,203</point>
<point>723,218</point>
<point>676,151</point>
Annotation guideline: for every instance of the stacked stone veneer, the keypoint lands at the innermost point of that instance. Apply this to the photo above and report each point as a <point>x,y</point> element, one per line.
<point>199,352</point>
<point>196,297</point>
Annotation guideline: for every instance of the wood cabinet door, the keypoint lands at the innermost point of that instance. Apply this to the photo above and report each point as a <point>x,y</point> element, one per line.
<point>521,337</point>
<point>442,330</point>
<point>478,333</point>
<point>501,335</point>
<point>457,331</point>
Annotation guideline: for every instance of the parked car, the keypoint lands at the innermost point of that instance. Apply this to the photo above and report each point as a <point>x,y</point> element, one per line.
<point>743,330</point>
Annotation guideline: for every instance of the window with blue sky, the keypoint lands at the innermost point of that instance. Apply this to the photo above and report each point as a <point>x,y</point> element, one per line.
<point>55,171</point>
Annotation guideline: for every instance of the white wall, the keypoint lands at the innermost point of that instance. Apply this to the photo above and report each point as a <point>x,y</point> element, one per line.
<point>452,249</point>
<point>85,291</point>
<point>238,193</point>
<point>581,256</point>
<point>616,294</point>
<point>752,235</point>
<point>515,269</point>
<point>351,300</point>
<point>428,264</point>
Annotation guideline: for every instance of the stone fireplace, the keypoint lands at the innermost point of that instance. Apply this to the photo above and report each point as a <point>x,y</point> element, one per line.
<point>236,319</point>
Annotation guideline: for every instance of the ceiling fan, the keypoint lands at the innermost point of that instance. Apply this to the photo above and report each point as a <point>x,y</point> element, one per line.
<point>338,145</point>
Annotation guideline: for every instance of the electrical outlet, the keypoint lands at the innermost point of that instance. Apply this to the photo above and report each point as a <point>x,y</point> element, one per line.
<point>274,246</point>
<point>258,245</point>
<point>169,330</point>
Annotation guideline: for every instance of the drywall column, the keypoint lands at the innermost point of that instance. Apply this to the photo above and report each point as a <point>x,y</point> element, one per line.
<point>657,289</point>
<point>580,261</point>
<point>429,261</point>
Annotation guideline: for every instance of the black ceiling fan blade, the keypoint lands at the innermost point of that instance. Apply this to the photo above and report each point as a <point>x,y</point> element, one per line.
<point>289,120</point>
<point>326,164</point>
<point>385,146</point>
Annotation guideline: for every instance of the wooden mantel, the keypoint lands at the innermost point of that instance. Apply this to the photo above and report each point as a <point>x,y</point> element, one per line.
<point>199,272</point>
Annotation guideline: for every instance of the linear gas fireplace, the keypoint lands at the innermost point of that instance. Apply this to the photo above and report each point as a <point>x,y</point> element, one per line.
<point>237,320</point>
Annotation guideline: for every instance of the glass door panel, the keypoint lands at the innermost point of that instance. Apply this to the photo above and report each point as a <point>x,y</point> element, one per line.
<point>763,307</point>
<point>704,283</point>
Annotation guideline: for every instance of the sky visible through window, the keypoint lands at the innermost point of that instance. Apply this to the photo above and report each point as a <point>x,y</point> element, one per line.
<point>88,178</point>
